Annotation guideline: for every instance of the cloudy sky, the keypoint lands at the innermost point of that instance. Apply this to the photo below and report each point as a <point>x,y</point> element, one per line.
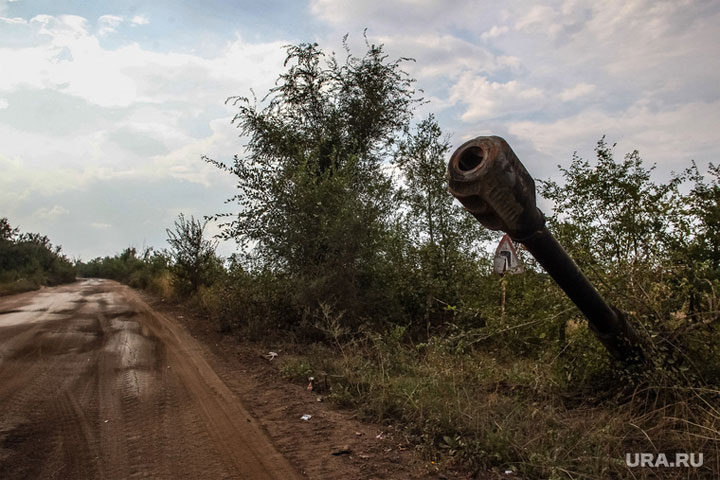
<point>107,106</point>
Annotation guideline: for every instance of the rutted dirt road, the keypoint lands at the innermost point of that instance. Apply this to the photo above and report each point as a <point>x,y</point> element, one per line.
<point>95,384</point>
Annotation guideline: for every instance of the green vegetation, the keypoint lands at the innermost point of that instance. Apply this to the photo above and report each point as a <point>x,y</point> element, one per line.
<point>355,258</point>
<point>29,260</point>
<point>194,262</point>
<point>186,269</point>
<point>150,270</point>
<point>316,204</point>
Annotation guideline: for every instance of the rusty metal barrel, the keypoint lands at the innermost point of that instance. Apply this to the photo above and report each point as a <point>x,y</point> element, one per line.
<point>489,180</point>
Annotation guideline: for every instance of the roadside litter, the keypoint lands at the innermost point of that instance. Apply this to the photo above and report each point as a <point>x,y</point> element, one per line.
<point>271,355</point>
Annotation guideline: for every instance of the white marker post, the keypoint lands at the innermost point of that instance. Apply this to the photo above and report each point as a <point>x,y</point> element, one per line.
<point>506,261</point>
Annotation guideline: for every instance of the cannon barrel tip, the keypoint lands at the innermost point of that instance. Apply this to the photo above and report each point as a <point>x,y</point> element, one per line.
<point>486,176</point>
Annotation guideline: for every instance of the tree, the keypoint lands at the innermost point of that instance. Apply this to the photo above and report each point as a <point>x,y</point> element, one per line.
<point>640,241</point>
<point>31,257</point>
<point>444,237</point>
<point>704,206</point>
<point>194,257</point>
<point>7,233</point>
<point>612,214</point>
<point>315,201</point>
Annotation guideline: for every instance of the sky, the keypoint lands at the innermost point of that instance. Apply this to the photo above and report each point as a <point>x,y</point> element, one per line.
<point>106,107</point>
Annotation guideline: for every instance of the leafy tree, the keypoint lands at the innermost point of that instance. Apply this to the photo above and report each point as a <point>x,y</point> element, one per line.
<point>7,233</point>
<point>697,252</point>
<point>704,206</point>
<point>437,219</point>
<point>649,246</point>
<point>194,257</point>
<point>611,213</point>
<point>444,237</point>
<point>315,201</point>
<point>31,259</point>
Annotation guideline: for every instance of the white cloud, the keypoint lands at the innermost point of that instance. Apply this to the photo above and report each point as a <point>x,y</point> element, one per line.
<point>403,15</point>
<point>487,99</point>
<point>15,21</point>
<point>100,225</point>
<point>139,20</point>
<point>671,138</point>
<point>62,29</point>
<point>184,162</point>
<point>539,18</point>
<point>72,61</point>
<point>49,166</point>
<point>558,74</point>
<point>127,113</point>
<point>51,214</point>
<point>441,55</point>
<point>108,24</point>
<point>646,45</point>
<point>579,90</point>
<point>495,31</point>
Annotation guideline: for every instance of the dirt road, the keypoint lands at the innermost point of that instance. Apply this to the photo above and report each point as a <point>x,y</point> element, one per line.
<point>95,384</point>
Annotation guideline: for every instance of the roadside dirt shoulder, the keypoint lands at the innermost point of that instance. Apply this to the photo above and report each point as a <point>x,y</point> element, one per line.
<point>331,444</point>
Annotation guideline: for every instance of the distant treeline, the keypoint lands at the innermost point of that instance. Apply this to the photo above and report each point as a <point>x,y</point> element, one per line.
<point>139,271</point>
<point>29,260</point>
<point>188,266</point>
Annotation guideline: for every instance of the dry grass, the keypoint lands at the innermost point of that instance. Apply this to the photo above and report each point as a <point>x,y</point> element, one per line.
<point>161,284</point>
<point>18,286</point>
<point>477,412</point>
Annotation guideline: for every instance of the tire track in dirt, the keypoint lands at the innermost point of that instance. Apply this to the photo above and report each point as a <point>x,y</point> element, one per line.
<point>73,429</point>
<point>226,421</point>
<point>112,441</point>
<point>32,376</point>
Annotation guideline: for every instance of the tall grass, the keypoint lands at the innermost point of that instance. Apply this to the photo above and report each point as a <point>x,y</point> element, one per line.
<point>480,410</point>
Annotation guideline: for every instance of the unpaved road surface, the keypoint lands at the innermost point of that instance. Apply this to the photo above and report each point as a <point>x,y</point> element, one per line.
<point>96,384</point>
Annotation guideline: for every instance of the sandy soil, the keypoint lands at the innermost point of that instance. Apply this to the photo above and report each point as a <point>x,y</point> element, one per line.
<point>96,383</point>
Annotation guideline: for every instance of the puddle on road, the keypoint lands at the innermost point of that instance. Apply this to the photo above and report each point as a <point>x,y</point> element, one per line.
<point>42,307</point>
<point>121,314</point>
<point>134,350</point>
<point>67,342</point>
<point>28,317</point>
<point>136,356</point>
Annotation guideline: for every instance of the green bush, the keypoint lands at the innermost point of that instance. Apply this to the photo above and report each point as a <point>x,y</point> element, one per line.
<point>29,260</point>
